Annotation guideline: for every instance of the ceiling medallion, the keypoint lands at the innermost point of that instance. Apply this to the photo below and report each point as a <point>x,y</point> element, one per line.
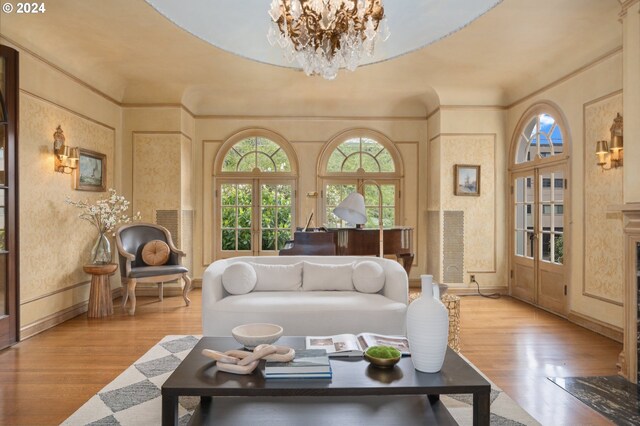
<point>326,35</point>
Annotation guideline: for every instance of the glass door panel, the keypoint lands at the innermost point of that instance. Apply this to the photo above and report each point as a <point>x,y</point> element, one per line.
<point>524,216</point>
<point>9,307</point>
<point>276,215</point>
<point>371,201</point>
<point>256,216</point>
<point>551,225</point>
<point>236,211</point>
<point>334,194</point>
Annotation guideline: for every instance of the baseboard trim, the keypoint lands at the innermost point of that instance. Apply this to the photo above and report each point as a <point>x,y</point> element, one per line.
<point>597,326</point>
<point>473,291</point>
<point>58,318</point>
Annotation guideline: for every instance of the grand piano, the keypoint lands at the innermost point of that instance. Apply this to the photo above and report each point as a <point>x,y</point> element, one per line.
<point>352,242</point>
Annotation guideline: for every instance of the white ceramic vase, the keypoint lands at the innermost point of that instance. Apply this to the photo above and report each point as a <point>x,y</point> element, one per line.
<point>428,328</point>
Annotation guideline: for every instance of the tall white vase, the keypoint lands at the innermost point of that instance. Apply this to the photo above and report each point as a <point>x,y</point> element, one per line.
<point>428,328</point>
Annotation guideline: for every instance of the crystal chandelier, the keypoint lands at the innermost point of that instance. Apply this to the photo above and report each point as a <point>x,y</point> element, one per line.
<point>326,35</point>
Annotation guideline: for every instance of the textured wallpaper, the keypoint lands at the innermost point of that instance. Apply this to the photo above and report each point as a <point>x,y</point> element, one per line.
<point>479,212</point>
<point>156,173</point>
<point>604,239</point>
<point>54,243</point>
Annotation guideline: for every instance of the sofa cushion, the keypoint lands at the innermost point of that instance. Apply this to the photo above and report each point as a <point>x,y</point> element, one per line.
<point>308,313</point>
<point>278,277</point>
<point>368,277</point>
<point>316,276</point>
<point>239,278</point>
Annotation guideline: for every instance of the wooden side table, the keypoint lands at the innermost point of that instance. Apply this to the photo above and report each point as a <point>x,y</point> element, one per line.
<point>100,302</point>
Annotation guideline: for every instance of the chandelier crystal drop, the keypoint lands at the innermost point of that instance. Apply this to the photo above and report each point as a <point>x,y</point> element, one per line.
<point>326,35</point>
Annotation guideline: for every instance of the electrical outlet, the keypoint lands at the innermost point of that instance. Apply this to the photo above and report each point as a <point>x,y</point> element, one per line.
<point>472,278</point>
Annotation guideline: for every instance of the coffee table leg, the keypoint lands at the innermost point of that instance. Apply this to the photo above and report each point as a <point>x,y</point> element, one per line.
<point>481,408</point>
<point>169,410</point>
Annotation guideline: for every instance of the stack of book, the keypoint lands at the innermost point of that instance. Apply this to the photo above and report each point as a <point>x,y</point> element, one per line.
<point>307,364</point>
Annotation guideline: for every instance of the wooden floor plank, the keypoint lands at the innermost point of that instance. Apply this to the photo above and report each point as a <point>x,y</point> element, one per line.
<point>45,379</point>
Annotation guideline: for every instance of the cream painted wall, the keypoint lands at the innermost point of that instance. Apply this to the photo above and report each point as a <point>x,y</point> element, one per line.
<point>631,76</point>
<point>156,173</point>
<point>602,79</point>
<point>308,136</point>
<point>151,120</point>
<point>51,278</point>
<point>603,236</point>
<point>476,136</point>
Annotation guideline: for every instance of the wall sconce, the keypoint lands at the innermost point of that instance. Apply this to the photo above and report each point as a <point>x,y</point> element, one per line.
<point>66,157</point>
<point>614,150</point>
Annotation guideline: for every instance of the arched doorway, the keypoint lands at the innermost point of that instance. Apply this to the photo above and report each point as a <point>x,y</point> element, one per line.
<point>255,194</point>
<point>539,208</point>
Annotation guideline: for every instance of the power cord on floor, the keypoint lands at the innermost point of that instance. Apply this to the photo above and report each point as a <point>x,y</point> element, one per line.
<point>488,296</point>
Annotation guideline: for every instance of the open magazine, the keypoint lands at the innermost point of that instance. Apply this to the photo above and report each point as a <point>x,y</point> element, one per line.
<point>355,345</point>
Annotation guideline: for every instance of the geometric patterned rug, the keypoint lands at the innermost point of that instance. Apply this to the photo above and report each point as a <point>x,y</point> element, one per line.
<point>133,398</point>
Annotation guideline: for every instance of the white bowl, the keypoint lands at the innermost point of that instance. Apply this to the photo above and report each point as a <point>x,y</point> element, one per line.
<point>252,335</point>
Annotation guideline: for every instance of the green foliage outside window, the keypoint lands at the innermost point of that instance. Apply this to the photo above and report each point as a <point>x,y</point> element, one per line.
<point>236,215</point>
<point>558,249</point>
<point>256,153</point>
<point>360,153</point>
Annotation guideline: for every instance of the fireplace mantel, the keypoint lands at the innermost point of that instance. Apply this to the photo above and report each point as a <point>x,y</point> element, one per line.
<point>629,355</point>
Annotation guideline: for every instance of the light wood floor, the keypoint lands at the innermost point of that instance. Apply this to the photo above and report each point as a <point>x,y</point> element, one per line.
<point>45,379</point>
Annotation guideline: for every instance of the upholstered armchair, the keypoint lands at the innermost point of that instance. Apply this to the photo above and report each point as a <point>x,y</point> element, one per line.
<point>152,242</point>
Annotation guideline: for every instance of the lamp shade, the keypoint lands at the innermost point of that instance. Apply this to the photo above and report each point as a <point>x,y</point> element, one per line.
<point>602,147</point>
<point>352,209</point>
<point>616,143</point>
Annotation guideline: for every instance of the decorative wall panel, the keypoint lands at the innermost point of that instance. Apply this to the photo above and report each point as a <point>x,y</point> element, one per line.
<point>57,242</point>
<point>479,212</point>
<point>604,238</point>
<point>156,173</point>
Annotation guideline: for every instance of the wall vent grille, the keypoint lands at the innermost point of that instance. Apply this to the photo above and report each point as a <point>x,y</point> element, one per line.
<point>453,246</point>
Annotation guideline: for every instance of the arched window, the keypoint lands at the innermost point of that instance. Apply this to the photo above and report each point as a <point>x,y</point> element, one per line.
<point>358,155</point>
<point>256,154</point>
<point>541,137</point>
<point>353,161</point>
<point>255,183</point>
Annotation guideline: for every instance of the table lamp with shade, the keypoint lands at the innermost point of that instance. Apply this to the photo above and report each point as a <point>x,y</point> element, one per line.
<point>353,211</point>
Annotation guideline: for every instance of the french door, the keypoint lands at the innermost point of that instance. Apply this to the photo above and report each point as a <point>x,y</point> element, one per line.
<point>538,272</point>
<point>255,216</point>
<point>9,294</point>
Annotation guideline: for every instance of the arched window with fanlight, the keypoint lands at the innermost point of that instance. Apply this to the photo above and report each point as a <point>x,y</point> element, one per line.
<point>357,160</point>
<point>541,137</point>
<point>255,181</point>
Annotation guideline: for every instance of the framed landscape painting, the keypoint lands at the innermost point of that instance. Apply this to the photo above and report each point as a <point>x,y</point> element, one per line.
<point>466,180</point>
<point>91,174</point>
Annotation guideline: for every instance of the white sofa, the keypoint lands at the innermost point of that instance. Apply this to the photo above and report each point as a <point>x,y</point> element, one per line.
<point>302,311</point>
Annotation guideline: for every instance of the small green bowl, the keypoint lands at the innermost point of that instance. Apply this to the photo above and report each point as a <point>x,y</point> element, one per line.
<point>382,362</point>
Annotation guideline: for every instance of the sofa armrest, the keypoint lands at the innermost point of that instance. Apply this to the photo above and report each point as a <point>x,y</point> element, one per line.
<point>212,289</point>
<point>396,285</point>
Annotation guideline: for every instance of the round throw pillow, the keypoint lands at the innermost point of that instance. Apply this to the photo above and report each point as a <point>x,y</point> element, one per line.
<point>368,277</point>
<point>239,278</point>
<point>155,253</point>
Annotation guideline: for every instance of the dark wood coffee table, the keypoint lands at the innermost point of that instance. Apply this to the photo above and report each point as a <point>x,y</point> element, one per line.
<point>409,395</point>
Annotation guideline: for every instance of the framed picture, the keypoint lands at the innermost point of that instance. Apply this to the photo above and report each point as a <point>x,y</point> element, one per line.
<point>91,174</point>
<point>466,180</point>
